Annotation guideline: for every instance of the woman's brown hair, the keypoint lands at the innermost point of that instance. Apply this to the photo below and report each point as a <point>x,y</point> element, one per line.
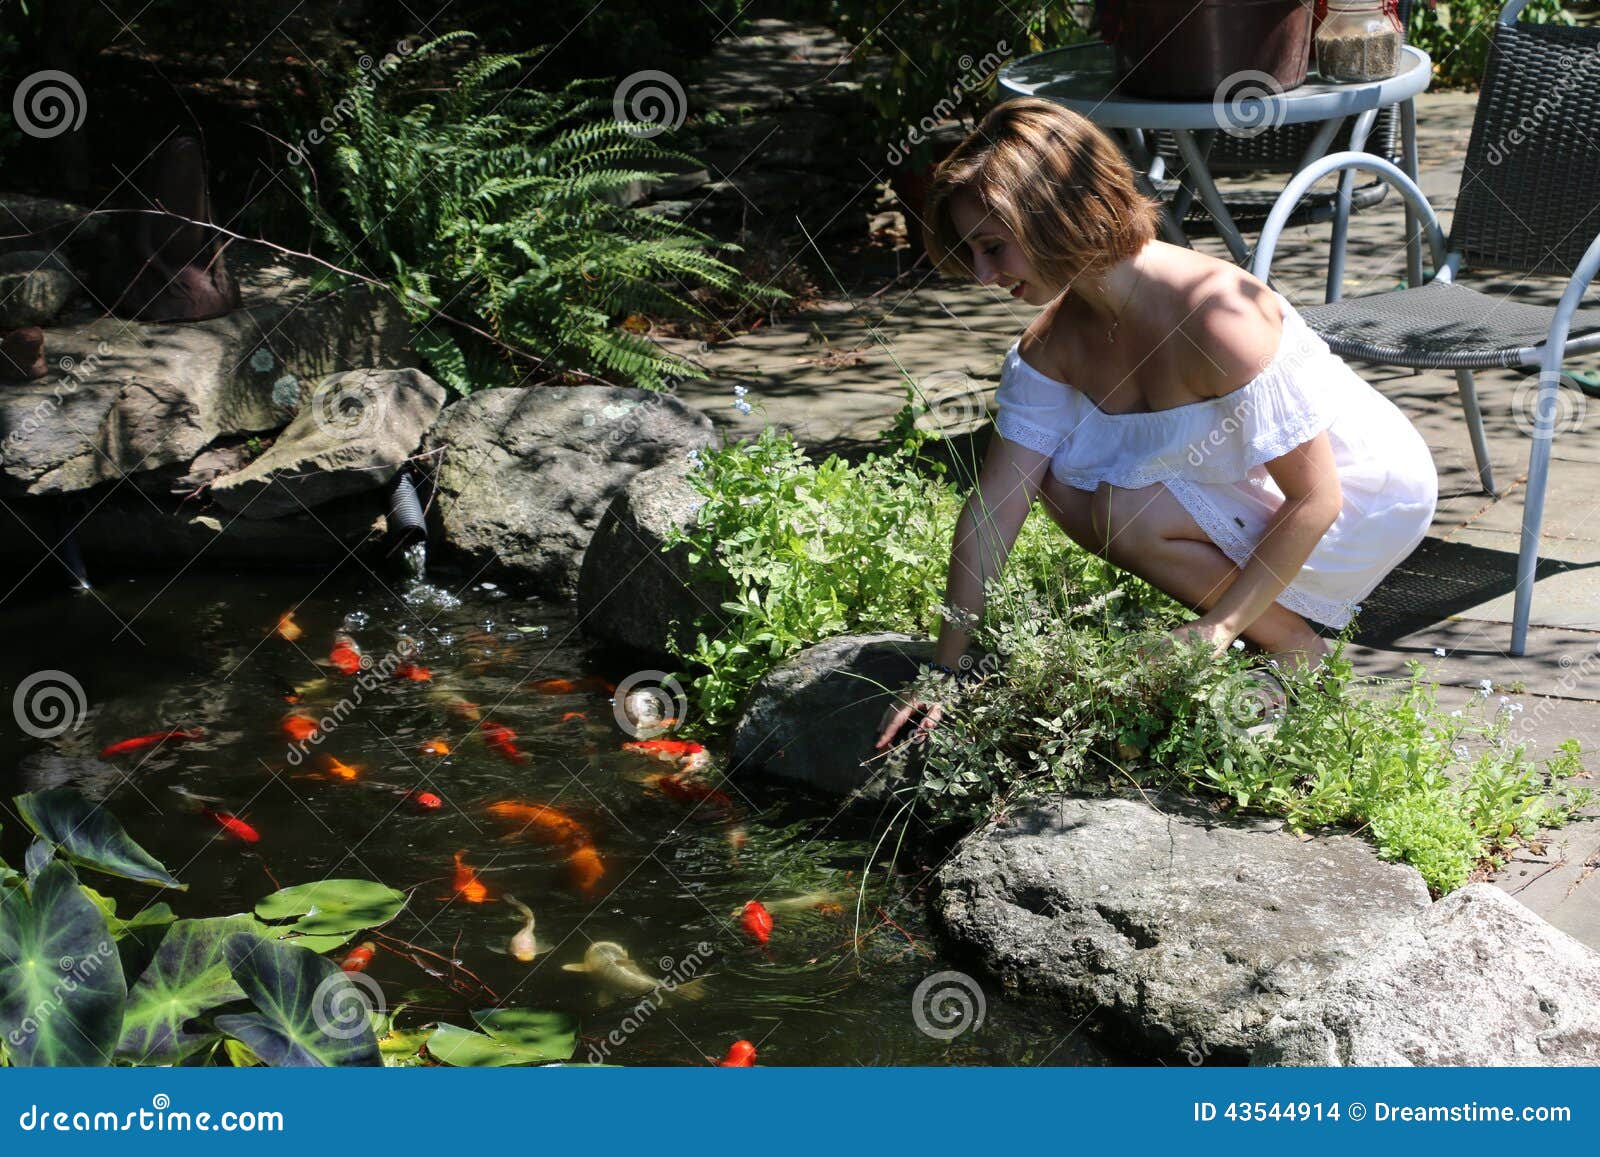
<point>1058,183</point>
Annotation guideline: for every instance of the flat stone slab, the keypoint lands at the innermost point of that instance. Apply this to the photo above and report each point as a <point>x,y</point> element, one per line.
<point>1477,979</point>
<point>1187,931</point>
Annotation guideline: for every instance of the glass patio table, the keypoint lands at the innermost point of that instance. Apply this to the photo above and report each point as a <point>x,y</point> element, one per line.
<point>1083,77</point>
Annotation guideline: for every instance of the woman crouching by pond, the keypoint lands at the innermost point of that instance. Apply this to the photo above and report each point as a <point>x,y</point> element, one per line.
<point>1174,413</point>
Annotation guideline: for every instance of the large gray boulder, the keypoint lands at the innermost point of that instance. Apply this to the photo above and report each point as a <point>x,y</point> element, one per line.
<point>813,719</point>
<point>1476,979</point>
<point>630,591</point>
<point>1188,931</point>
<point>527,473</point>
<point>35,286</point>
<point>125,398</point>
<point>353,435</point>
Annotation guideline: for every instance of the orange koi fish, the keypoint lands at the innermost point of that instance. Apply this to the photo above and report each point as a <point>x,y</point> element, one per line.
<point>467,885</point>
<point>232,825</point>
<point>756,922</point>
<point>340,770</point>
<point>585,867</point>
<point>299,727</point>
<point>571,686</point>
<point>346,656</point>
<point>570,716</point>
<point>288,628</point>
<point>413,672</point>
<point>360,956</point>
<point>547,823</point>
<point>435,747</point>
<point>741,1055</point>
<point>499,738</point>
<point>141,742</point>
<point>685,753</point>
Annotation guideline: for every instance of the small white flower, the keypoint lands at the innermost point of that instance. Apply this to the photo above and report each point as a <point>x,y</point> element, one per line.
<point>741,405</point>
<point>1456,713</point>
<point>1485,687</point>
<point>1513,708</point>
<point>1238,644</point>
<point>749,500</point>
<point>1439,651</point>
<point>1461,751</point>
<point>739,391</point>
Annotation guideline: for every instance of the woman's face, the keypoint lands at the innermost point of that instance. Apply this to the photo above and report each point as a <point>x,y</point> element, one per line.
<point>994,254</point>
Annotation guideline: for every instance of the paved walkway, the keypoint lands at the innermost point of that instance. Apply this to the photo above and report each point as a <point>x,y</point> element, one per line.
<point>834,377</point>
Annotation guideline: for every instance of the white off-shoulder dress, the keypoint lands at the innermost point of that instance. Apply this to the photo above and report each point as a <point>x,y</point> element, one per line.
<point>1210,456</point>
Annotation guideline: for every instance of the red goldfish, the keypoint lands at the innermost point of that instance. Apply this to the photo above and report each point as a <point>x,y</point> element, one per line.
<point>499,737</point>
<point>341,770</point>
<point>359,957</point>
<point>346,656</point>
<point>435,747</point>
<point>413,672</point>
<point>756,922</point>
<point>423,800</point>
<point>688,791</point>
<point>570,716</point>
<point>232,825</point>
<point>741,1055</point>
<point>685,753</point>
<point>139,743</point>
<point>467,885</point>
<point>299,727</point>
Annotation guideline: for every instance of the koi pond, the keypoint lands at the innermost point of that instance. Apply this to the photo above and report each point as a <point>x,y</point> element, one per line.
<point>293,734</point>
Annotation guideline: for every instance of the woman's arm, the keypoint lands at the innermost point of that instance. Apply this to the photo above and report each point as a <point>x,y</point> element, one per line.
<point>985,532</point>
<point>1311,502</point>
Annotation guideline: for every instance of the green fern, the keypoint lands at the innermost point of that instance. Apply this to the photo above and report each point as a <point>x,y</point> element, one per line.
<point>495,204</point>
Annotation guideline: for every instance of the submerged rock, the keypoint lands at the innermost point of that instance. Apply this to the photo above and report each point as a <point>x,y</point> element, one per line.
<point>1188,931</point>
<point>352,436</point>
<point>814,718</point>
<point>527,473</point>
<point>1476,979</point>
<point>35,287</point>
<point>630,592</point>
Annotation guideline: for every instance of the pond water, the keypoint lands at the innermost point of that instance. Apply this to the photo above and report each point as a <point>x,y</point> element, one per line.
<point>204,651</point>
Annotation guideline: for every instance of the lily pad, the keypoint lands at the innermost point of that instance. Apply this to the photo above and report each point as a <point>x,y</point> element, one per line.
<point>515,1036</point>
<point>308,1012</point>
<point>189,976</point>
<point>61,984</point>
<point>333,907</point>
<point>86,833</point>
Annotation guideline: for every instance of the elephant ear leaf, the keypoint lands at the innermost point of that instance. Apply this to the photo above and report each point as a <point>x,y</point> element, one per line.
<point>188,976</point>
<point>87,834</point>
<point>61,984</point>
<point>308,1012</point>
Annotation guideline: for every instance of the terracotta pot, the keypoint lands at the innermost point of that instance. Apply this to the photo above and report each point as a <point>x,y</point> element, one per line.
<point>1181,50</point>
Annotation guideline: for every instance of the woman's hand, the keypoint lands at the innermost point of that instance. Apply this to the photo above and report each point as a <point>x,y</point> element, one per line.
<point>1213,635</point>
<point>896,715</point>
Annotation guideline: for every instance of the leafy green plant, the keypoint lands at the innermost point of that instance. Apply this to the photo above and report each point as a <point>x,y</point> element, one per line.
<point>500,205</point>
<point>1082,703</point>
<point>1456,34</point>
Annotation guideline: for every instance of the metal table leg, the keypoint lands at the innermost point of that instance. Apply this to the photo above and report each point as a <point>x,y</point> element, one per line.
<point>1147,170</point>
<point>1408,150</point>
<point>1341,216</point>
<point>1195,162</point>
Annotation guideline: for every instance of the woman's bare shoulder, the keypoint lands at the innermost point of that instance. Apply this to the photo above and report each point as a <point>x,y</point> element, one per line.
<point>1236,323</point>
<point>1046,343</point>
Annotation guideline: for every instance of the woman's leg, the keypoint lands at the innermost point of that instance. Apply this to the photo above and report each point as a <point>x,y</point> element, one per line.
<point>1148,532</point>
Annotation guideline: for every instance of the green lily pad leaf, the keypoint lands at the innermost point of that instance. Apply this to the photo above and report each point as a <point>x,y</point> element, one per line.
<point>333,907</point>
<point>317,944</point>
<point>150,916</point>
<point>189,976</point>
<point>86,833</point>
<point>517,1036</point>
<point>61,985</point>
<point>308,1012</point>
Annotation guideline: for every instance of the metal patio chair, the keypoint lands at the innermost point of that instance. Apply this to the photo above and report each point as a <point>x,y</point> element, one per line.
<point>1529,203</point>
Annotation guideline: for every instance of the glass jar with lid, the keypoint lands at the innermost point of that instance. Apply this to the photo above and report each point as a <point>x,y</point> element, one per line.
<point>1359,40</point>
